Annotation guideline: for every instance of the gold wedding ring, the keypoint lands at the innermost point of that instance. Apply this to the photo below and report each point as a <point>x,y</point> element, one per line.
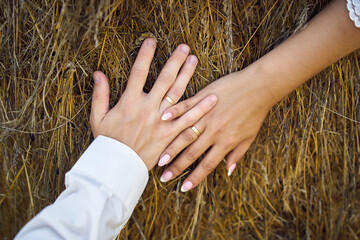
<point>169,100</point>
<point>195,130</point>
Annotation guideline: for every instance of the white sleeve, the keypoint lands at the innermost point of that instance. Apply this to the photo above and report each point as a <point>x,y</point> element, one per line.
<point>354,11</point>
<point>102,190</point>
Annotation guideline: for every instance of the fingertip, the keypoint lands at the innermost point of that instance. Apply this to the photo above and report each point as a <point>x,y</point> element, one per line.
<point>193,59</point>
<point>184,48</point>
<point>100,97</point>
<point>231,169</point>
<point>150,42</point>
<point>213,98</point>
<point>98,76</point>
<point>166,116</point>
<point>187,185</point>
<point>164,160</point>
<point>166,176</point>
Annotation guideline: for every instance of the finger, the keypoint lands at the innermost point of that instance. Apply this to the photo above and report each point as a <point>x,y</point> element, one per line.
<point>184,139</point>
<point>180,108</point>
<point>187,157</point>
<point>205,167</point>
<point>178,88</point>
<point>100,98</point>
<point>169,73</point>
<point>196,113</point>
<point>235,155</point>
<point>190,134</point>
<point>140,69</point>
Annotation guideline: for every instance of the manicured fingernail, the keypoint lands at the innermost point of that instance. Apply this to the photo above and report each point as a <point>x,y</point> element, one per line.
<point>150,42</point>
<point>186,186</point>
<point>192,59</point>
<point>184,48</point>
<point>166,176</point>
<point>164,160</point>
<point>231,169</point>
<point>166,116</point>
<point>213,99</point>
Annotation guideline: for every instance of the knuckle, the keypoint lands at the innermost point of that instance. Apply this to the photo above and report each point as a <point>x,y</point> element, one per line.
<point>96,95</point>
<point>179,59</point>
<point>189,120</point>
<point>176,92</point>
<point>187,105</point>
<point>230,142</point>
<point>166,77</point>
<point>196,178</point>
<point>172,150</point>
<point>188,136</point>
<point>239,155</point>
<point>208,166</point>
<point>128,107</point>
<point>202,109</point>
<point>191,154</point>
<point>175,110</point>
<point>218,128</point>
<point>188,72</point>
<point>127,100</point>
<point>138,72</point>
<point>176,169</point>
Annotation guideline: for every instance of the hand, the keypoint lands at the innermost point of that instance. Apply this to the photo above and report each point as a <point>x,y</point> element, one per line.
<point>245,97</point>
<point>136,118</point>
<point>228,129</point>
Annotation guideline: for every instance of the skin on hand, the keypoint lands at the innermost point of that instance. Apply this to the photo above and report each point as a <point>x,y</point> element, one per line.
<point>228,129</point>
<point>136,119</point>
<point>245,97</point>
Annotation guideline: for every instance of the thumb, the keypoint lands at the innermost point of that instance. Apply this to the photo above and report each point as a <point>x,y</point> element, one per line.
<point>100,98</point>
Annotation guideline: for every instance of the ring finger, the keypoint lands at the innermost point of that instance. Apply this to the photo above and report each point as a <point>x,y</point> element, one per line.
<point>177,89</point>
<point>192,152</point>
<point>184,139</point>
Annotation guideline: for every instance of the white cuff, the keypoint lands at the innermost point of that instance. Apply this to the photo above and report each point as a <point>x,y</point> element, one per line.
<point>115,166</point>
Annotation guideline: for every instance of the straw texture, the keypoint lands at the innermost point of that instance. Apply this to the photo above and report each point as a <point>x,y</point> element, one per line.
<point>300,178</point>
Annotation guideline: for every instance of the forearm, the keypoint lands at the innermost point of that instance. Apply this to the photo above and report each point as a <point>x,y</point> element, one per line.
<point>245,97</point>
<point>328,37</point>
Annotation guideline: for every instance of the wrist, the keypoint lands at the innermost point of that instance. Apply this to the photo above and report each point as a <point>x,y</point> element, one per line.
<point>263,83</point>
<point>277,76</point>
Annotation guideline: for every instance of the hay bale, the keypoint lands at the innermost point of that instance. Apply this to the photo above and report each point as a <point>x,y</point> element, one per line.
<point>299,179</point>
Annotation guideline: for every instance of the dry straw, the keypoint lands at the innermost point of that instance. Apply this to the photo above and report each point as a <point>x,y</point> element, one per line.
<point>300,178</point>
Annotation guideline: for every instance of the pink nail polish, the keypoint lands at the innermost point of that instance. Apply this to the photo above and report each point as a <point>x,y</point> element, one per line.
<point>231,169</point>
<point>166,116</point>
<point>186,186</point>
<point>164,160</point>
<point>167,175</point>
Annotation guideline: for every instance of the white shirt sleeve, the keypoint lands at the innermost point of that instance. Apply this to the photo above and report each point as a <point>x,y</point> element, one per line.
<point>102,190</point>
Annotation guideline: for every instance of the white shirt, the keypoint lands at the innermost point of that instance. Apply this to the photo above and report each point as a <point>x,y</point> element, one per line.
<point>102,190</point>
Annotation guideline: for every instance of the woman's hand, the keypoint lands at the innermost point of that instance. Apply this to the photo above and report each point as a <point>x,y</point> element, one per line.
<point>228,129</point>
<point>245,97</point>
<point>136,118</point>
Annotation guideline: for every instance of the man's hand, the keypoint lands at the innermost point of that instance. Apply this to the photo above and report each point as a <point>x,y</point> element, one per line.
<point>136,118</point>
